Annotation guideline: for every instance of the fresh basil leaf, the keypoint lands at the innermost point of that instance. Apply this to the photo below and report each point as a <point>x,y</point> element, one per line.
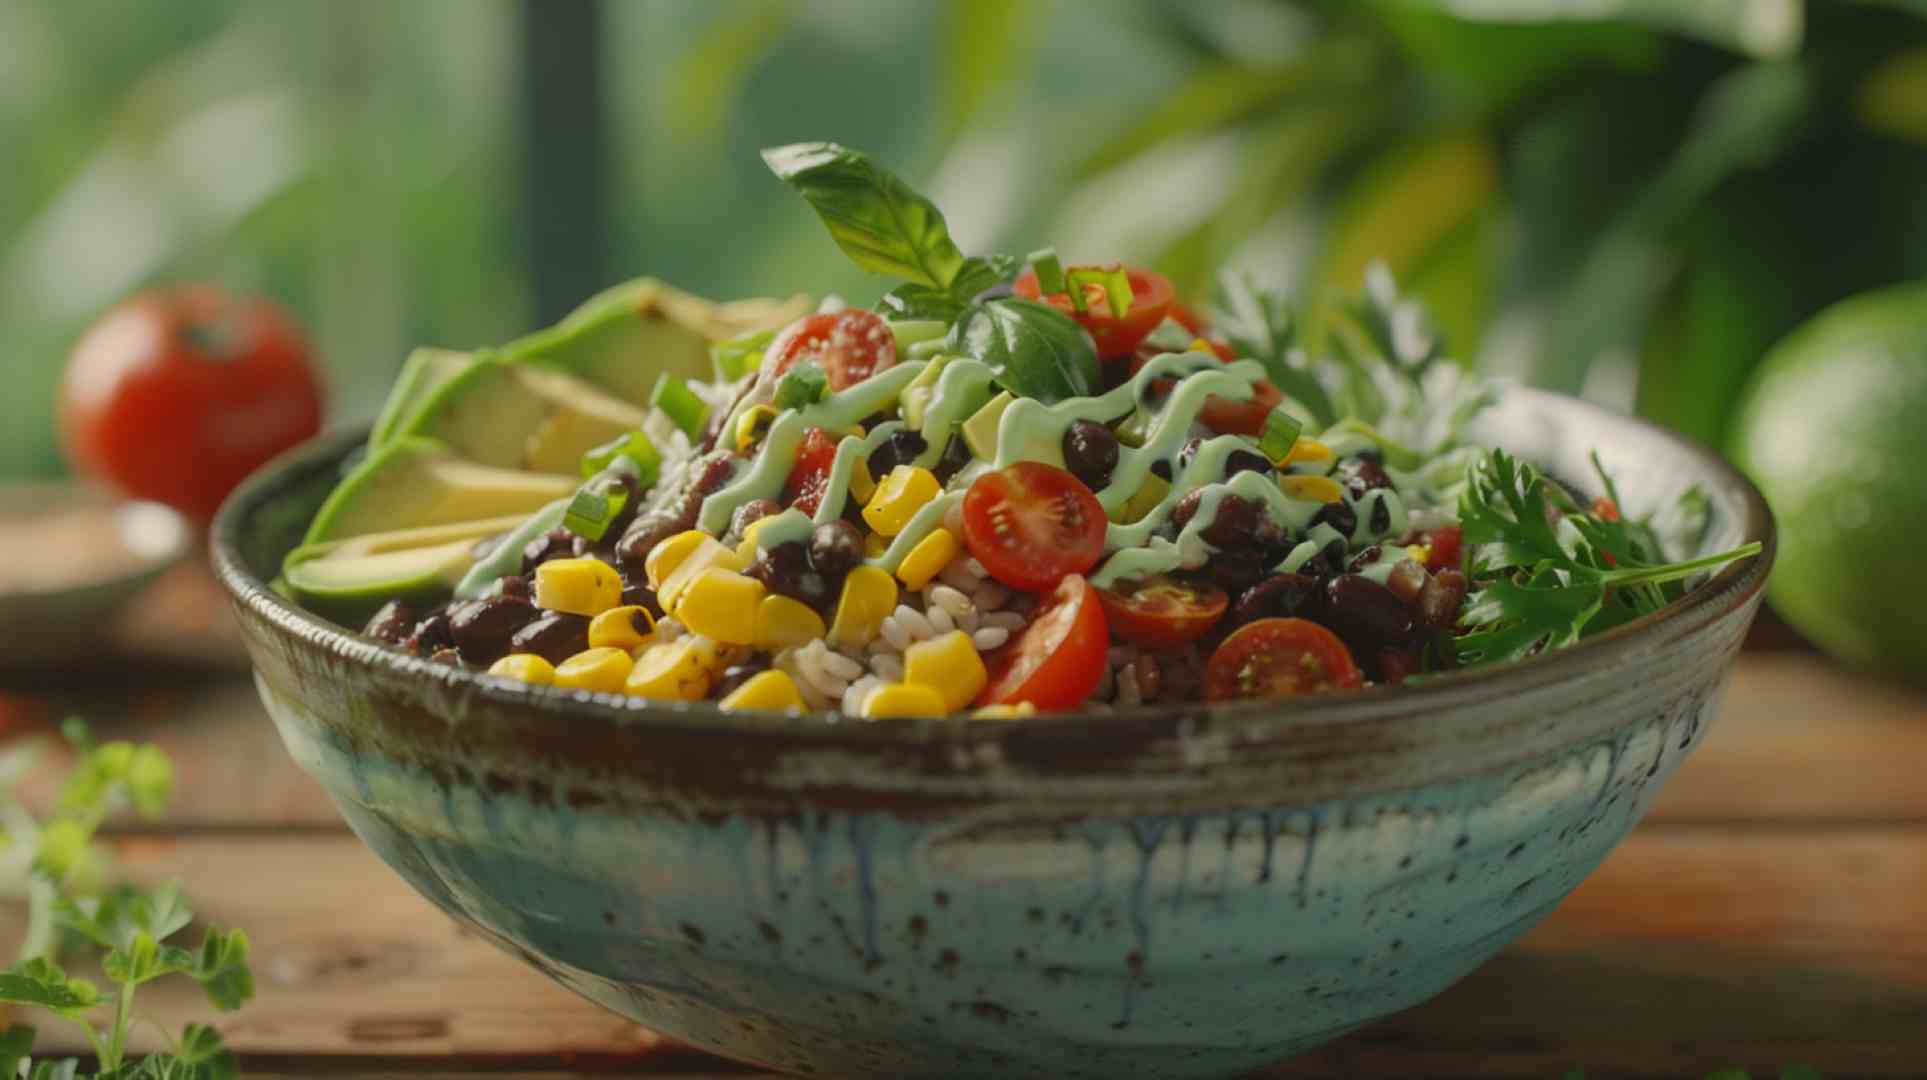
<point>878,220</point>
<point>1034,350</point>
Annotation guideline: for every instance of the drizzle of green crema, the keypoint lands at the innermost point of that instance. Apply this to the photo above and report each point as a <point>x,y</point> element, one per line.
<point>1030,430</point>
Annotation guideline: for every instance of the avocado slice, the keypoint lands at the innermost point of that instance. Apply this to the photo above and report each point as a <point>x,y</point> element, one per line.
<point>414,482</point>
<point>346,580</point>
<point>424,372</point>
<point>980,431</point>
<point>623,337</point>
<point>513,416</point>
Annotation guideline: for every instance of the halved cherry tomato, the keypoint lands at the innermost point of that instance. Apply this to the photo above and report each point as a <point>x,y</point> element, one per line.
<point>1059,658</point>
<point>1448,547</point>
<point>1274,658</point>
<point>1151,300</point>
<point>810,476</point>
<point>1220,414</point>
<point>1032,523</point>
<point>850,345</point>
<point>1163,611</point>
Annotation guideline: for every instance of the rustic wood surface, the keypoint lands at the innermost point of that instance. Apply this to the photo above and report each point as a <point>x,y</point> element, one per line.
<point>1772,910</point>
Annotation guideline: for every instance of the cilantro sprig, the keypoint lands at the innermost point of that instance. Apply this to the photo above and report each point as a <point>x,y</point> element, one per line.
<point>128,930</point>
<point>1550,571</point>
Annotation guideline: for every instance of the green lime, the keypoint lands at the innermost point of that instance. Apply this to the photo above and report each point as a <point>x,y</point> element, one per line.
<point>1834,430</point>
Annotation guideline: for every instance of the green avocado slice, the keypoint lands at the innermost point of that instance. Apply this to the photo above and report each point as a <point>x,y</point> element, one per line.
<point>623,337</point>
<point>424,372</point>
<point>513,416</point>
<point>415,482</point>
<point>347,580</point>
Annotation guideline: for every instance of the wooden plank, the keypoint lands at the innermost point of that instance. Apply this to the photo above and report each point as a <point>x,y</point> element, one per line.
<point>1691,948</point>
<point>1801,738</point>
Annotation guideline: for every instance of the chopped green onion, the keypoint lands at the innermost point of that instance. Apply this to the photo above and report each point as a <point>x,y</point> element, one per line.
<point>596,506</point>
<point>739,356</point>
<point>910,332</point>
<point>1281,431</point>
<point>1050,272</point>
<point>1115,282</point>
<point>636,447</point>
<point>680,404</point>
<point>804,384</point>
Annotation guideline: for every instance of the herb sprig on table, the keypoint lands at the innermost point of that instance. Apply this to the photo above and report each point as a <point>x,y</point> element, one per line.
<point>74,913</point>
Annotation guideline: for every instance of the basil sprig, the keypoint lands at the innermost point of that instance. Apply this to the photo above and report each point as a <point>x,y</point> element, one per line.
<point>1035,350</point>
<point>876,218</point>
<point>979,274</point>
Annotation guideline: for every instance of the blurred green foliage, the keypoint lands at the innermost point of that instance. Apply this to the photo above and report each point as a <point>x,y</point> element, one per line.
<point>1632,204</point>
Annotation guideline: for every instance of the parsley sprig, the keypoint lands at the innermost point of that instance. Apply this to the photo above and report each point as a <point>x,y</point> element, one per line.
<point>73,911</point>
<point>1551,571</point>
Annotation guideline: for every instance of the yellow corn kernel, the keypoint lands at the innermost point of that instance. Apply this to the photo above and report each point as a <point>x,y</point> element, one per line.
<point>681,670</point>
<point>752,425</point>
<point>902,699</point>
<point>862,484</point>
<point>899,497</point>
<point>1005,712</point>
<point>782,622</point>
<point>708,555</point>
<point>1149,494</point>
<point>874,545</point>
<point>770,691</point>
<point>1420,553</point>
<point>868,595</point>
<point>928,558</point>
<point>595,669</point>
<point>577,586</point>
<point>621,628</point>
<point>948,664</point>
<point>663,559</point>
<point>1315,488</point>
<point>1198,344</point>
<point>527,667</point>
<point>722,605</point>
<point>1307,450</point>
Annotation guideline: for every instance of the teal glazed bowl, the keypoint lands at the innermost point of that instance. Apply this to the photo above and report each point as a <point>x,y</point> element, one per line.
<point>1177,892</point>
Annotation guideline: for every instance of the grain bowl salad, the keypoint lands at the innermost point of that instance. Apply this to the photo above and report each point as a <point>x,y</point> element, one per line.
<point>1011,485</point>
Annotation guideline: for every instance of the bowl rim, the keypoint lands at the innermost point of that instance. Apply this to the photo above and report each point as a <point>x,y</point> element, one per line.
<point>60,496</point>
<point>1733,586</point>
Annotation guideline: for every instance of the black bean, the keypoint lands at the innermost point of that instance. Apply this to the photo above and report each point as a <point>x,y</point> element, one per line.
<point>749,514</point>
<point>393,622</point>
<point>1407,580</point>
<point>1361,474</point>
<point>785,570</point>
<point>1339,516</point>
<point>956,454</point>
<point>1367,615</point>
<point>554,544</point>
<point>1439,600</point>
<point>483,628</point>
<point>1245,461</point>
<point>901,448</point>
<point>1236,568</point>
<point>642,596</point>
<point>1161,469</point>
<point>736,675</point>
<point>835,549</point>
<point>1278,596</point>
<point>514,585</point>
<point>1090,452</point>
<point>554,636</point>
<point>430,634</point>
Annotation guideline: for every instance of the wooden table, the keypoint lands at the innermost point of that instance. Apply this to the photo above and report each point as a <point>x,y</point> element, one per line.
<point>1772,910</point>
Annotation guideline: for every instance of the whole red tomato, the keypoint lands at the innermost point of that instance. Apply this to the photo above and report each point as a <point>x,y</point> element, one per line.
<point>179,393</point>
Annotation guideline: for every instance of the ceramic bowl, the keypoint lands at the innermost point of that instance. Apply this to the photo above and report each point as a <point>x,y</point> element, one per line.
<point>1182,891</point>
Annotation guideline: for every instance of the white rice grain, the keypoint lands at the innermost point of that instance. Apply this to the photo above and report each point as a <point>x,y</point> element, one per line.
<point>940,621</point>
<point>888,667</point>
<point>989,637</point>
<point>894,633</point>
<point>990,596</point>
<point>967,622</point>
<point>914,623</point>
<point>840,666</point>
<point>668,630</point>
<point>1005,620</point>
<point>951,600</point>
<point>857,691</point>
